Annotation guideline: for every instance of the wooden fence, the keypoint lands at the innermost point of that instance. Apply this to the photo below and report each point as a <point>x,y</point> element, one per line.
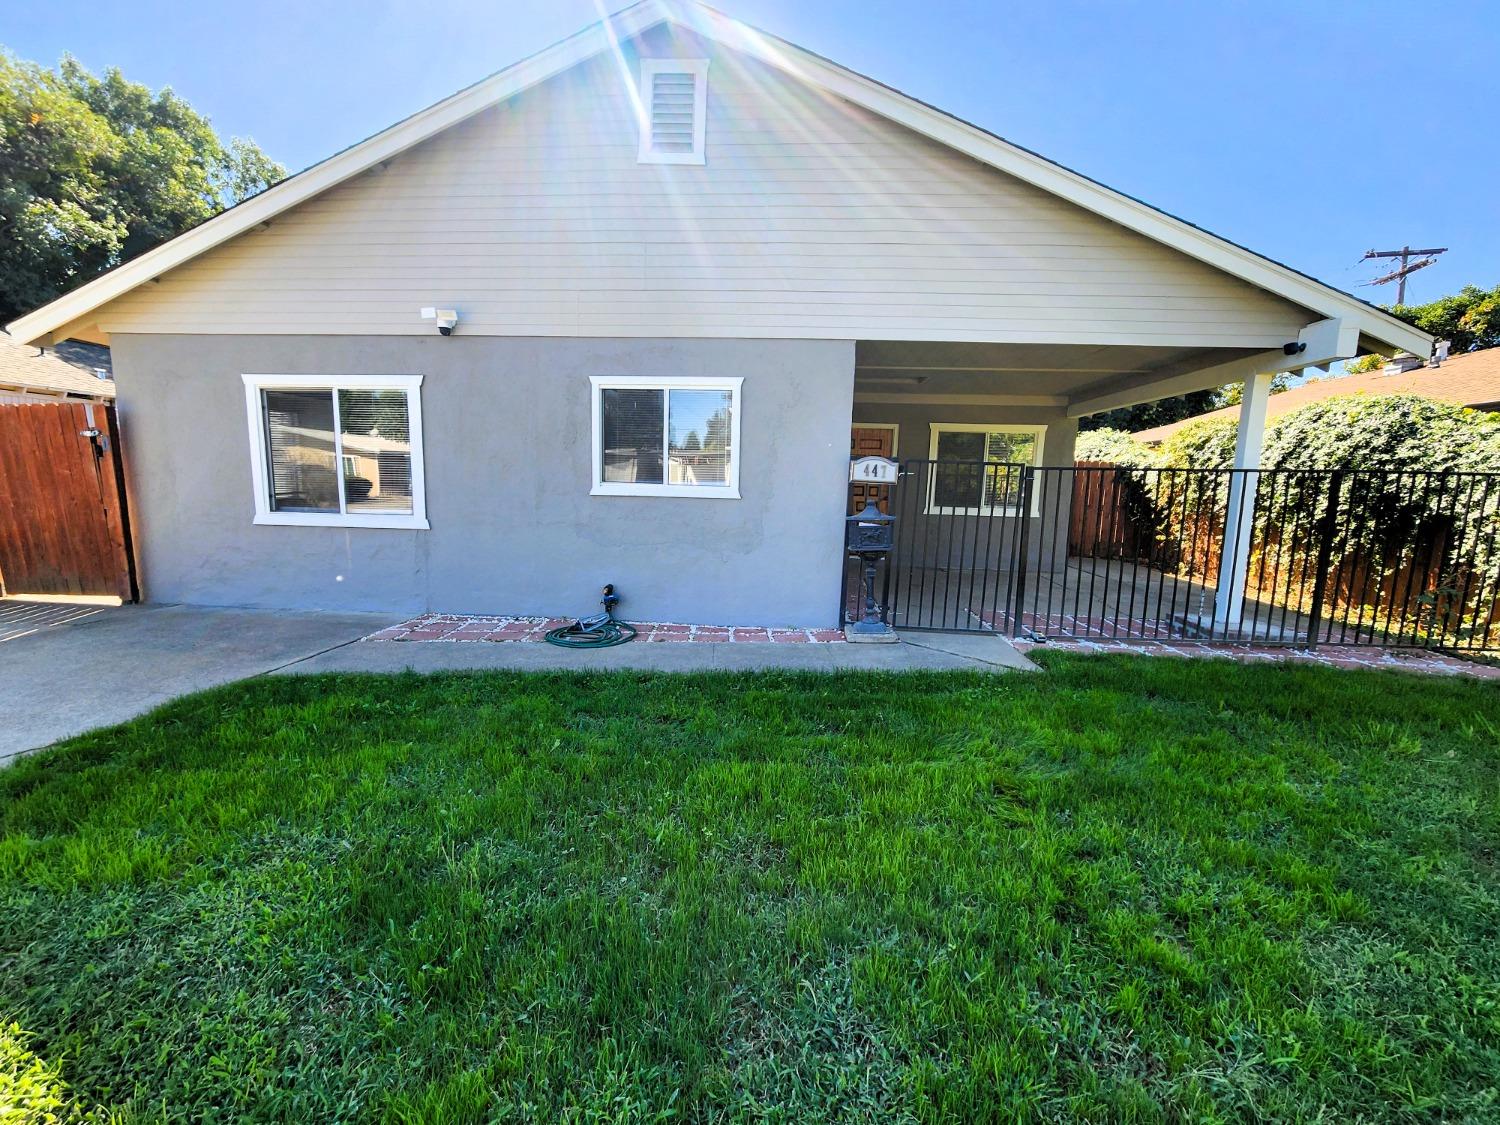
<point>64,526</point>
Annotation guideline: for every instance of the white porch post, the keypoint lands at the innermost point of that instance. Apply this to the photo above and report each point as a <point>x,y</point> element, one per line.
<point>1239,516</point>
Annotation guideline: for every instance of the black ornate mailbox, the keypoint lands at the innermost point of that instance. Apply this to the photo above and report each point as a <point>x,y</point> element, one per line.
<point>870,534</point>
<point>870,531</point>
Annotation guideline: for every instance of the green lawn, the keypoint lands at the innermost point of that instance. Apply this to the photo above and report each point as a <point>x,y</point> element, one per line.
<point>1133,889</point>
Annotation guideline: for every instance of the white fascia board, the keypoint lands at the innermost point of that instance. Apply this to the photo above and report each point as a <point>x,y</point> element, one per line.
<point>1324,342</point>
<point>336,170</point>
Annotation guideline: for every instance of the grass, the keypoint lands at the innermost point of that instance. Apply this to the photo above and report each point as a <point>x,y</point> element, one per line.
<point>1132,889</point>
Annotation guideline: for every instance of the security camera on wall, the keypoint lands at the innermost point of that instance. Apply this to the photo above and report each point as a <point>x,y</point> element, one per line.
<point>446,319</point>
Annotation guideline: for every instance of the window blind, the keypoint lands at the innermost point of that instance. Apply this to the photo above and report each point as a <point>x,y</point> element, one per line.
<point>633,430</point>
<point>299,435</point>
<point>375,438</point>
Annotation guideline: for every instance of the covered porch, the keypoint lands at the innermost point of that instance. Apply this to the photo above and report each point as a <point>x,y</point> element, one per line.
<point>998,530</point>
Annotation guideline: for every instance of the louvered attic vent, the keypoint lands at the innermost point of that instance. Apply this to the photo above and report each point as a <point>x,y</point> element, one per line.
<point>674,96</point>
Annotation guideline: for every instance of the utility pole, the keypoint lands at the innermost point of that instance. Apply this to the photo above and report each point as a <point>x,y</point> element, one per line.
<point>1406,253</point>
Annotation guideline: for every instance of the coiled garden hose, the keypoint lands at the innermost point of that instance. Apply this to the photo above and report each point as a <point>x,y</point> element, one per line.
<point>586,634</point>
<point>599,631</point>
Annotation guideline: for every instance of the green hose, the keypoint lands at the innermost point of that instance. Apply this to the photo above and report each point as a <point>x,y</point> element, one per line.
<point>606,634</point>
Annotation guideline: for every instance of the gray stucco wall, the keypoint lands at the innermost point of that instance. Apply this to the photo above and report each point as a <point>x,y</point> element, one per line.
<point>953,541</point>
<point>506,430</point>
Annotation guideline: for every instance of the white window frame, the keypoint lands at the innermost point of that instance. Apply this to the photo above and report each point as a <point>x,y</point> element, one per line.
<point>930,505</point>
<point>698,68</point>
<point>598,384</point>
<point>260,453</point>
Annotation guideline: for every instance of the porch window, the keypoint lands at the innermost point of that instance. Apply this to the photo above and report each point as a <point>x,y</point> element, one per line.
<point>978,468</point>
<point>659,436</point>
<point>336,452</point>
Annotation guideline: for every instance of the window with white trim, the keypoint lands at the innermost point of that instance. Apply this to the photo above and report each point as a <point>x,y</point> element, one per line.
<point>978,467</point>
<point>674,111</point>
<point>666,436</point>
<point>343,451</point>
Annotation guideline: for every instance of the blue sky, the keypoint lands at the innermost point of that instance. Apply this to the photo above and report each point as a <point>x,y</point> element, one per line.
<point>1309,131</point>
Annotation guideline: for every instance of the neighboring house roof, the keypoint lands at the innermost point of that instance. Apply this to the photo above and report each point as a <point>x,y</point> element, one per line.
<point>1471,379</point>
<point>68,313</point>
<point>67,369</point>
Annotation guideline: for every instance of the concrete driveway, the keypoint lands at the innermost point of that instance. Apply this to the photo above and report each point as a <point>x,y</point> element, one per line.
<point>67,669</point>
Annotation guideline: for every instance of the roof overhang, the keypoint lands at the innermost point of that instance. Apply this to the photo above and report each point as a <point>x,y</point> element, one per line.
<point>1382,330</point>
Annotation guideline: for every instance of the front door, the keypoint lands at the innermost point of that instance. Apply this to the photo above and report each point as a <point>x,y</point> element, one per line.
<point>870,441</point>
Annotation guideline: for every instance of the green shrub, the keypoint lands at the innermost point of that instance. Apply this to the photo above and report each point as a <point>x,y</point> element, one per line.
<point>1365,431</point>
<point>1204,444</point>
<point>1392,530</point>
<point>1114,447</point>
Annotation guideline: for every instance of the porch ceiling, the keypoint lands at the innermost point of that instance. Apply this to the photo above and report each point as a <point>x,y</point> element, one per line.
<point>1061,373</point>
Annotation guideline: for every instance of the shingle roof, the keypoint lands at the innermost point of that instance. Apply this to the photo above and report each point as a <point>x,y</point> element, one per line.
<point>69,371</point>
<point>1471,379</point>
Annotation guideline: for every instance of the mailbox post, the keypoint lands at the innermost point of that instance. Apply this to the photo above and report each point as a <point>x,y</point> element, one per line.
<point>870,535</point>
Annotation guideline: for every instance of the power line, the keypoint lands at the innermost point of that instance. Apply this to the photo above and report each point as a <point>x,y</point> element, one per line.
<point>1408,267</point>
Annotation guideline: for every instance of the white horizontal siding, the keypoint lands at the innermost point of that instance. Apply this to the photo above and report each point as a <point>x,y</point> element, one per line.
<point>810,219</point>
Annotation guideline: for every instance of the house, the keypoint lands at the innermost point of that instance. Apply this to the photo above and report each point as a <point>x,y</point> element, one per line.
<point>1471,379</point>
<point>620,312</point>
<point>70,370</point>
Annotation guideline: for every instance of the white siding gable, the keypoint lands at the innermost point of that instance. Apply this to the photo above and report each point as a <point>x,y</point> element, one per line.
<point>810,218</point>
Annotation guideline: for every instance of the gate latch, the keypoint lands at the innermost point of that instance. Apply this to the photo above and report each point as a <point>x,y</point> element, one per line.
<point>89,433</point>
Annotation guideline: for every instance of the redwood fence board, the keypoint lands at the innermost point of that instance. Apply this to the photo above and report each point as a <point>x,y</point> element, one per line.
<point>64,526</point>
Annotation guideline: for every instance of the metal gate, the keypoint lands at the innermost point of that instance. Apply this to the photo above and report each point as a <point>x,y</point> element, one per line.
<point>958,538</point>
<point>63,522</point>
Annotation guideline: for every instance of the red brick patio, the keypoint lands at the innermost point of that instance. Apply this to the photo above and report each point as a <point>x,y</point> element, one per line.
<point>456,627</point>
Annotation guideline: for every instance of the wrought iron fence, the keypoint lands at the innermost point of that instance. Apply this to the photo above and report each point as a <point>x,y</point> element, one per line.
<point>1394,558</point>
<point>1333,557</point>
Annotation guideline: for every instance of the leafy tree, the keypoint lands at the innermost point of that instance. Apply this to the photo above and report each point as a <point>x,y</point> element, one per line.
<point>1133,419</point>
<point>1469,319</point>
<point>94,170</point>
<point>716,432</point>
<point>1149,414</point>
<point>1234,394</point>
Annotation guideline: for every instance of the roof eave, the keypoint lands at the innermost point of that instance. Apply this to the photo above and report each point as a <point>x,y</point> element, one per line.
<point>337,169</point>
<point>805,65</point>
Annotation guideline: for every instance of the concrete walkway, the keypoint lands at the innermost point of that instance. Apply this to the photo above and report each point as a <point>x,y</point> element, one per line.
<point>62,674</point>
<point>933,651</point>
<point>65,670</point>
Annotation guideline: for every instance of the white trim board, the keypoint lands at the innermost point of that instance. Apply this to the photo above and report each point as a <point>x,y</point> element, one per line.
<point>598,486</point>
<point>804,65</point>
<point>260,467</point>
<point>880,398</point>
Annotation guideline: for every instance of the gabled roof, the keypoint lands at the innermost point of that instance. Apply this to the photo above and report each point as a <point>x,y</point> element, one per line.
<point>804,65</point>
<point>1470,379</point>
<point>24,365</point>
